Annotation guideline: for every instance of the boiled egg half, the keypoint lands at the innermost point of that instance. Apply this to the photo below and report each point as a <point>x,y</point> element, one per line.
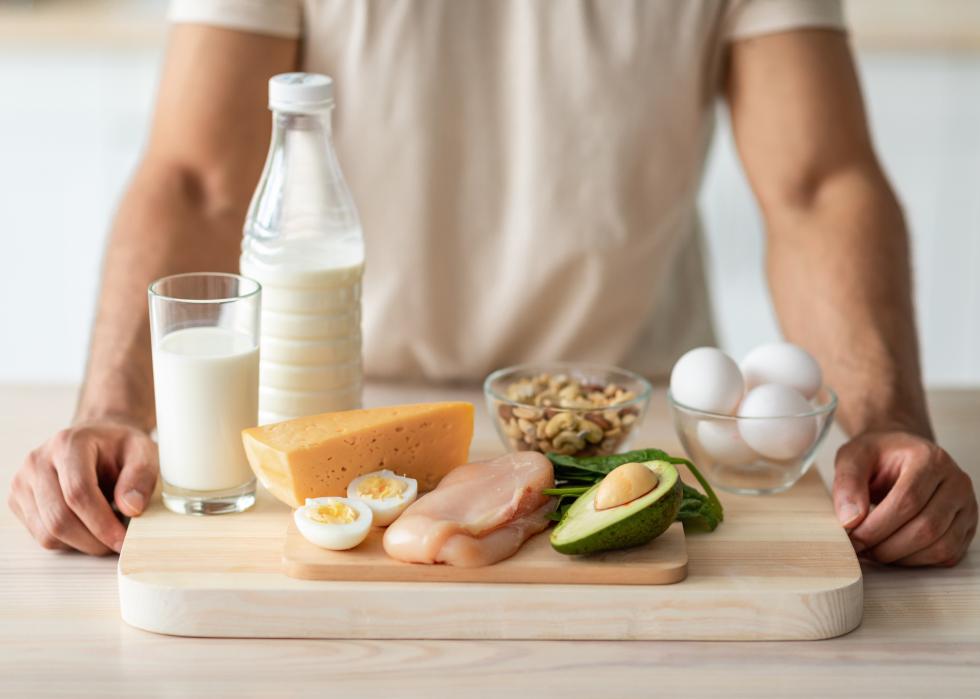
<point>334,523</point>
<point>385,492</point>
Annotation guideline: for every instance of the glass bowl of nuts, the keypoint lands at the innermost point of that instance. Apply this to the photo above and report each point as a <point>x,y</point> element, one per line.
<point>574,409</point>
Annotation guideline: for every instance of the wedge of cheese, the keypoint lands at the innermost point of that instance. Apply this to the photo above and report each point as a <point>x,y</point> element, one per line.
<point>319,455</point>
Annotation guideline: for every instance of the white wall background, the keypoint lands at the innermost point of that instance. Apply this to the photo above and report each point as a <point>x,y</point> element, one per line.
<point>73,120</point>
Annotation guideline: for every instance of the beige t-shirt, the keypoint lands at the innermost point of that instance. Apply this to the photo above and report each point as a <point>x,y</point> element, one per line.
<point>526,171</point>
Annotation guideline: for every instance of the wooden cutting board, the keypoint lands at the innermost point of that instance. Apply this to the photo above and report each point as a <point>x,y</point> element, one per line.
<point>661,562</point>
<point>779,568</point>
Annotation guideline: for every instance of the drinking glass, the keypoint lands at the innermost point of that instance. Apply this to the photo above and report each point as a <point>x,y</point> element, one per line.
<point>204,330</point>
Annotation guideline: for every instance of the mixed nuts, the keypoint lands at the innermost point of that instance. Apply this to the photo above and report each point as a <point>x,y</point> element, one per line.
<point>564,415</point>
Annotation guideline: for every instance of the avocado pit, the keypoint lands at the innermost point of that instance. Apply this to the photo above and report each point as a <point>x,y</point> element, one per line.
<point>624,484</point>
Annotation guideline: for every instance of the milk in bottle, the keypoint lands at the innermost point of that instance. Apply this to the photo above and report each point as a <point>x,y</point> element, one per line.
<point>303,243</point>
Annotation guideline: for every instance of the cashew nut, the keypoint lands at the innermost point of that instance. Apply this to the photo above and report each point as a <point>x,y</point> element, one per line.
<point>567,442</point>
<point>590,432</point>
<point>559,423</point>
<point>612,416</point>
<point>569,393</point>
<point>527,413</point>
<point>539,428</point>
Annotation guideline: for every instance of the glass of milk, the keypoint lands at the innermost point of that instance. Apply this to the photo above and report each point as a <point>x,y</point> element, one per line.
<point>205,335</point>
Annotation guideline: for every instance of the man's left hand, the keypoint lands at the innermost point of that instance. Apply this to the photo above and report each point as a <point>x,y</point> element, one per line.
<point>925,508</point>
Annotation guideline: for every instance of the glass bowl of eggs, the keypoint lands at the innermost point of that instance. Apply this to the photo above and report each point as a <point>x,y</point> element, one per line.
<point>566,408</point>
<point>753,428</point>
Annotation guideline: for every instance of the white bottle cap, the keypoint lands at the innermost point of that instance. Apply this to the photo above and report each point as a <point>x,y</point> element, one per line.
<point>300,93</point>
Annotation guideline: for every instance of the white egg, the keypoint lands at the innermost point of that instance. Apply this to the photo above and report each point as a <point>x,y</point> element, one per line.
<point>334,523</point>
<point>721,441</point>
<point>385,492</point>
<point>783,436</point>
<point>707,379</point>
<point>783,363</point>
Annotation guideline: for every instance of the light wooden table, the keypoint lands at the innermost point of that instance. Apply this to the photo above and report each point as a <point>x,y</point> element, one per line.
<point>60,632</point>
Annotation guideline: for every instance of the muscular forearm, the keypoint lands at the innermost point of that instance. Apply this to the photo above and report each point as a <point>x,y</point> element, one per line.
<point>838,257</point>
<point>838,268</point>
<point>185,207</point>
<point>166,224</point>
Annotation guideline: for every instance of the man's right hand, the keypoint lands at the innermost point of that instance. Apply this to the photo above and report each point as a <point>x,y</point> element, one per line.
<point>60,491</point>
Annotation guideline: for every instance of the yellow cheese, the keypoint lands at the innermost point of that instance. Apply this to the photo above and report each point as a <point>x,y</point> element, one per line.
<point>319,455</point>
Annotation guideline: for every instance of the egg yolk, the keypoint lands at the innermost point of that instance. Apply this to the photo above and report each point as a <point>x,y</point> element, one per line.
<point>332,513</point>
<point>380,488</point>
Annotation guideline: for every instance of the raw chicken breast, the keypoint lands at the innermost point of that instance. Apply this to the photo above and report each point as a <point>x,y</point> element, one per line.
<point>479,514</point>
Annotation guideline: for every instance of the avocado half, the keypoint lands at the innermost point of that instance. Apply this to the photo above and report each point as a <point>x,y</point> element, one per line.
<point>584,529</point>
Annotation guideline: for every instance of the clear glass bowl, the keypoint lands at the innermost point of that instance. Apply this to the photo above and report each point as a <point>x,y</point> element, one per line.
<point>544,421</point>
<point>730,450</point>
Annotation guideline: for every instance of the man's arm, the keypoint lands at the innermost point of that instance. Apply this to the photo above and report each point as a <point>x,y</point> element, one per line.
<point>838,267</point>
<point>182,212</point>
<point>185,206</point>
